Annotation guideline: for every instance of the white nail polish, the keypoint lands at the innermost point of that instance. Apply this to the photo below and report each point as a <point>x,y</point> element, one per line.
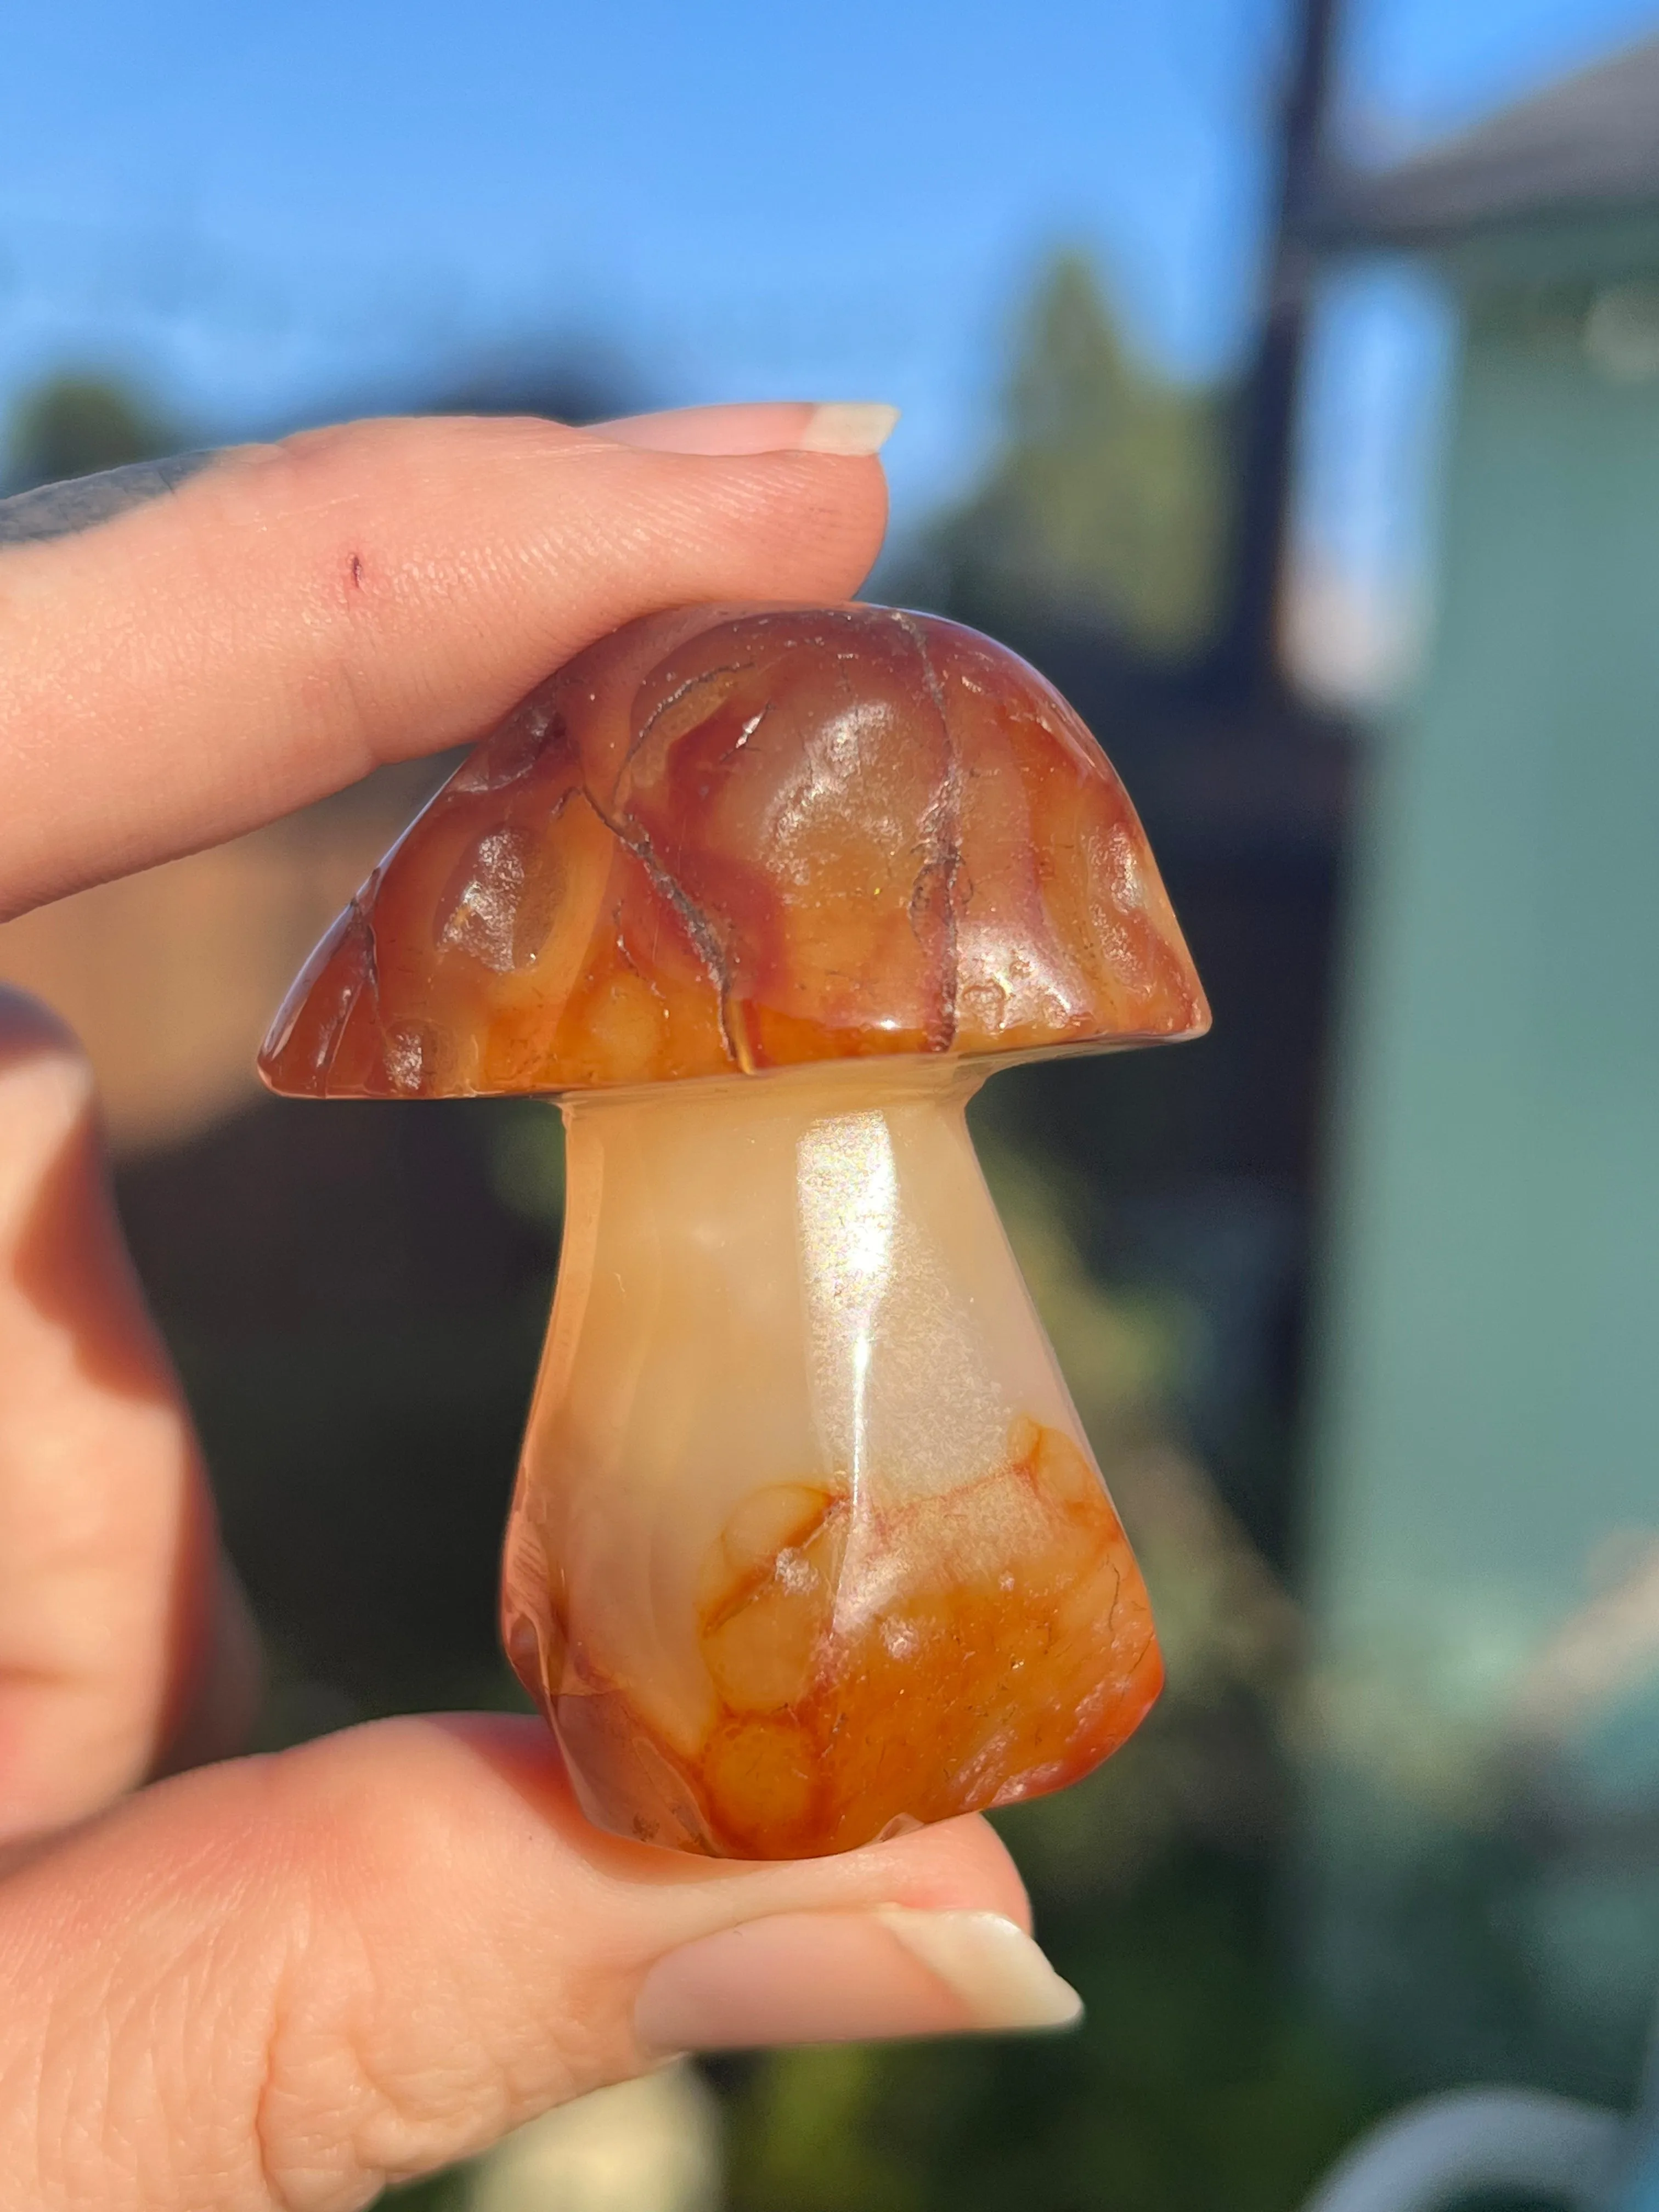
<point>849,426</point>
<point>992,1965</point>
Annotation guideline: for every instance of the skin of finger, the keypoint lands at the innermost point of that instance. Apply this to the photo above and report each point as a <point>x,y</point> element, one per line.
<point>280,1982</point>
<point>296,614</point>
<point>119,1641</point>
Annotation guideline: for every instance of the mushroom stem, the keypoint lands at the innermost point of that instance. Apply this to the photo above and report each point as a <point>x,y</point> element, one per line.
<point>807,1542</point>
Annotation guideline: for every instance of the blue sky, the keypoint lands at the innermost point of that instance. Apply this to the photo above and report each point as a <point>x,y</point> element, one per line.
<point>270,213</point>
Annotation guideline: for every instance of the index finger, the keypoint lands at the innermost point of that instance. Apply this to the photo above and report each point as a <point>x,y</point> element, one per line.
<point>289,617</point>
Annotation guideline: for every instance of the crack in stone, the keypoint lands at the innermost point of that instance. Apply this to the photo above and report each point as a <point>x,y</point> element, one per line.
<point>681,691</point>
<point>697,924</point>
<point>941,834</point>
<point>360,928</point>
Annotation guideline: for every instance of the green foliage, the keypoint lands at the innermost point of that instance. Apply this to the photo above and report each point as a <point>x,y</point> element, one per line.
<point>70,425</point>
<point>1196,2082</point>
<point>527,1161</point>
<point>1106,506</point>
<point>363,1473</point>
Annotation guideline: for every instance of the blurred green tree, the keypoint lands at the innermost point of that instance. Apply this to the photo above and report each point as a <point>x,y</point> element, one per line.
<point>1197,2081</point>
<point>71,423</point>
<point>1106,506</point>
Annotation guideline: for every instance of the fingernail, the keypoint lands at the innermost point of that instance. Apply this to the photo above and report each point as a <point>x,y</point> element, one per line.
<point>847,427</point>
<point>991,1964</point>
<point>845,1977</point>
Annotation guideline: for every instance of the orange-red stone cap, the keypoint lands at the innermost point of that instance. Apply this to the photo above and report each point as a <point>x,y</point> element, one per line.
<point>725,839</point>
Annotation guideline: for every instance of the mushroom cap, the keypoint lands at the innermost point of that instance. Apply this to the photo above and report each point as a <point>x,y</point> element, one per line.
<point>724,839</point>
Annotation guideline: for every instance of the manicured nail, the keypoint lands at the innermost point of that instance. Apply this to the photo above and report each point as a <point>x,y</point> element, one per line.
<point>992,1966</point>
<point>772,426</point>
<point>849,426</point>
<point>845,1976</point>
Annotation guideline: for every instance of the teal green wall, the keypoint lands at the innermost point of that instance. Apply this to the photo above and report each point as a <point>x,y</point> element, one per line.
<point>1486,1453</point>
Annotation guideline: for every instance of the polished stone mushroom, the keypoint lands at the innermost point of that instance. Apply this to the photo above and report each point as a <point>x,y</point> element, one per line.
<point>807,1544</point>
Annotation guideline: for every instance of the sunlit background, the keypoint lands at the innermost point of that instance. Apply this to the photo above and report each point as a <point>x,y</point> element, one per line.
<point>1284,380</point>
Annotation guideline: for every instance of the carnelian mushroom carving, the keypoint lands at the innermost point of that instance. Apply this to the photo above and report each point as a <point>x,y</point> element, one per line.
<point>807,1544</point>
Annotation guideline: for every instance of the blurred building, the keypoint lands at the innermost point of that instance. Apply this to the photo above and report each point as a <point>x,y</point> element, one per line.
<point>1485,1473</point>
<point>171,977</point>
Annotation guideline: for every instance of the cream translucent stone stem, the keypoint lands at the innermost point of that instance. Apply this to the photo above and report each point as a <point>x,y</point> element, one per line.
<point>793,1279</point>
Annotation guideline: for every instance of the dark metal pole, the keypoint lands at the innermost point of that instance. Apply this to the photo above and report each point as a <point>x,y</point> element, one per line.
<point>1246,647</point>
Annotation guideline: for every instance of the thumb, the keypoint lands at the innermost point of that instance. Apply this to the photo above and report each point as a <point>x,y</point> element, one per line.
<point>282,1983</point>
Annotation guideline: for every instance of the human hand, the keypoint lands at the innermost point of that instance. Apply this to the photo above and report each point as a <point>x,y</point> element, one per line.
<point>280,1982</point>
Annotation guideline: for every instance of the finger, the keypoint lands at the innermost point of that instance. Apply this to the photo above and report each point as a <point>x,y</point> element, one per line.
<point>283,1982</point>
<point>121,1642</point>
<point>274,625</point>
